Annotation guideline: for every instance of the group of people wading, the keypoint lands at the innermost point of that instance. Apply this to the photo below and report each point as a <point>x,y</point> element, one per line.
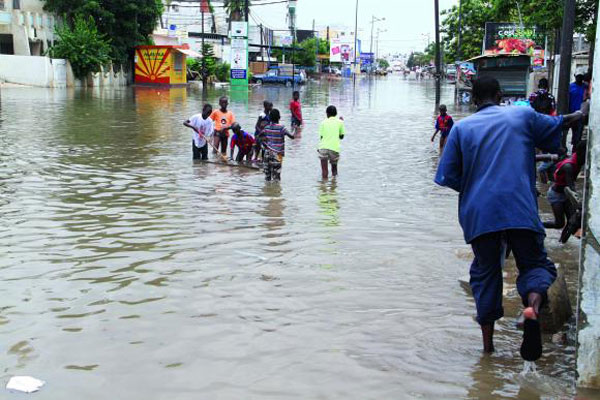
<point>267,145</point>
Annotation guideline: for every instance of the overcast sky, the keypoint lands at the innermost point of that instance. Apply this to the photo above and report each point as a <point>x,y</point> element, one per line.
<point>407,21</point>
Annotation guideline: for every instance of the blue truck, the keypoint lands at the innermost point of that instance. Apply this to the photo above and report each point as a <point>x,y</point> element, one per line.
<point>280,75</point>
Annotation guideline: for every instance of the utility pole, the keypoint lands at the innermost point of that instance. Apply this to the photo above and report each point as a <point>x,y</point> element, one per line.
<point>355,40</point>
<point>317,41</point>
<point>373,20</point>
<point>459,49</point>
<point>566,50</point>
<point>438,56</point>
<point>204,8</point>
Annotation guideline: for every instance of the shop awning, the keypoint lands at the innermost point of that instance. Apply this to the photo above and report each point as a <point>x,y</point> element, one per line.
<point>190,53</point>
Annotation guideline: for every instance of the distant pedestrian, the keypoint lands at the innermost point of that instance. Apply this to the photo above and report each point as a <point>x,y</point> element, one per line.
<point>542,100</point>
<point>577,95</point>
<point>331,132</point>
<point>489,160</point>
<point>223,120</point>
<point>203,128</point>
<point>296,110</point>
<point>443,125</point>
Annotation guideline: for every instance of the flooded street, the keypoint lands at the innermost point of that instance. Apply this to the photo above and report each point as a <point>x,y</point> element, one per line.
<point>128,272</point>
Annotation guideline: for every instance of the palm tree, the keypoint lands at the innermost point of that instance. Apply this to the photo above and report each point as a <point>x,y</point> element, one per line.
<point>236,9</point>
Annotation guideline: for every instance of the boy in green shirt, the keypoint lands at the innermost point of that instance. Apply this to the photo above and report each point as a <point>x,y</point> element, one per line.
<point>331,131</point>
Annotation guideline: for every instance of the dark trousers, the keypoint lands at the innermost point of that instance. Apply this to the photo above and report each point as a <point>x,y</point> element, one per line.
<point>576,135</point>
<point>200,153</point>
<point>536,271</point>
<point>241,155</point>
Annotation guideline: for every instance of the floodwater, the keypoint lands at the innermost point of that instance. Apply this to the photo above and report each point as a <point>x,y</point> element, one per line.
<point>128,272</point>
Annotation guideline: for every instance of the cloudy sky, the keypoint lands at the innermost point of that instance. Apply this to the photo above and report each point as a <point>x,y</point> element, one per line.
<point>407,21</point>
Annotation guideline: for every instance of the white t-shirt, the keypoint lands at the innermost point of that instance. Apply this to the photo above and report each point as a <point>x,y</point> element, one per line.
<point>205,126</point>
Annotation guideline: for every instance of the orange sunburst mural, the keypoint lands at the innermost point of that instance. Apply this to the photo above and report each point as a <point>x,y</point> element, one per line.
<point>153,64</point>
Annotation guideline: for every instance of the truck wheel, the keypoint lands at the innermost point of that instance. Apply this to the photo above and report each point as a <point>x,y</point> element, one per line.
<point>259,81</point>
<point>288,83</point>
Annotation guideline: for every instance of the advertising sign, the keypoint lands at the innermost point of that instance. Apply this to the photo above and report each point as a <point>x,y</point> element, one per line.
<point>239,54</point>
<point>287,40</point>
<point>367,58</point>
<point>335,51</point>
<point>511,38</point>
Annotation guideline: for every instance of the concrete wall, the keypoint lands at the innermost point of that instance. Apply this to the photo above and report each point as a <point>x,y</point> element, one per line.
<point>27,70</point>
<point>47,72</point>
<point>588,335</point>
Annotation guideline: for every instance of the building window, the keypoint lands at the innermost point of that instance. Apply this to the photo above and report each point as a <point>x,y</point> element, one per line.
<point>175,8</point>
<point>16,4</point>
<point>1,4</point>
<point>178,61</point>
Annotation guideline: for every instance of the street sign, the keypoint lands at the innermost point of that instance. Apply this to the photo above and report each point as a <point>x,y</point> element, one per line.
<point>239,54</point>
<point>367,58</point>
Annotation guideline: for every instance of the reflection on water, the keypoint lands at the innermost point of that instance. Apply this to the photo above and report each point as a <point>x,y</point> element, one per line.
<point>131,272</point>
<point>329,204</point>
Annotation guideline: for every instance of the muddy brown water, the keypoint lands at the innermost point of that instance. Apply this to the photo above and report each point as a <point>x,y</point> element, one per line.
<point>128,272</point>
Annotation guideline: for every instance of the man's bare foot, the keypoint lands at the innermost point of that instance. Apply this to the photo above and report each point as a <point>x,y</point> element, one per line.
<point>487,331</point>
<point>531,348</point>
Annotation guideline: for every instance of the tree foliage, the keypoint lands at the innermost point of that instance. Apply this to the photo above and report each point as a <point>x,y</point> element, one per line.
<point>383,63</point>
<point>546,14</point>
<point>236,9</point>
<point>127,23</point>
<point>305,53</point>
<point>82,44</point>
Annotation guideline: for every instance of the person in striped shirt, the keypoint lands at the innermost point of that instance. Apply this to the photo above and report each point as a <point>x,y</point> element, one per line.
<point>273,140</point>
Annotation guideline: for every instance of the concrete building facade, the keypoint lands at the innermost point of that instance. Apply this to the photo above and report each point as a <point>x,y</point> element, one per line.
<point>25,28</point>
<point>588,335</point>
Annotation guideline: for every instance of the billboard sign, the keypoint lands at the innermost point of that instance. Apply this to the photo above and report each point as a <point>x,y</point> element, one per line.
<point>511,38</point>
<point>367,58</point>
<point>341,50</point>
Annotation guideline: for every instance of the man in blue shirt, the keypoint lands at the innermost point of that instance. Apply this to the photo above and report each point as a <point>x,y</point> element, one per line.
<point>489,159</point>
<point>577,95</point>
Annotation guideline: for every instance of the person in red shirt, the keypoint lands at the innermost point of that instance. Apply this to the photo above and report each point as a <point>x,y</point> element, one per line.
<point>566,175</point>
<point>243,141</point>
<point>296,109</point>
<point>443,124</point>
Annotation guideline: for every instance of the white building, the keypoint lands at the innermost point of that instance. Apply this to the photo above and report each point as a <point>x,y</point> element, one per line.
<point>25,28</point>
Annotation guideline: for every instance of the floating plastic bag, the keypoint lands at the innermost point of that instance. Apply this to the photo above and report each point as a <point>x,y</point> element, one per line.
<point>25,384</point>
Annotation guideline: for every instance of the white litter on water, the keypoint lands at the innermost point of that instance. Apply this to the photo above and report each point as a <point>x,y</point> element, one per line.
<point>25,384</point>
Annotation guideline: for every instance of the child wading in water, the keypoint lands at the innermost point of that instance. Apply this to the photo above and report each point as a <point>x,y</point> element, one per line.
<point>243,141</point>
<point>331,132</point>
<point>443,124</point>
<point>273,140</point>
<point>223,120</point>
<point>296,109</point>
<point>263,120</point>
<point>203,128</point>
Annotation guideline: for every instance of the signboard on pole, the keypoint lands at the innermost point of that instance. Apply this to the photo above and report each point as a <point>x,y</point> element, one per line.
<point>335,51</point>
<point>515,39</point>
<point>367,58</point>
<point>239,54</point>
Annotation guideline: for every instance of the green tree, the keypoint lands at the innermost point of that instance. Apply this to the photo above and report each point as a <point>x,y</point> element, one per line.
<point>127,23</point>
<point>85,48</point>
<point>475,14</point>
<point>236,9</point>
<point>383,63</point>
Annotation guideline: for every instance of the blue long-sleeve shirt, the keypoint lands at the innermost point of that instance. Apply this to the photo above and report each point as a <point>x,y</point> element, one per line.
<point>490,160</point>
